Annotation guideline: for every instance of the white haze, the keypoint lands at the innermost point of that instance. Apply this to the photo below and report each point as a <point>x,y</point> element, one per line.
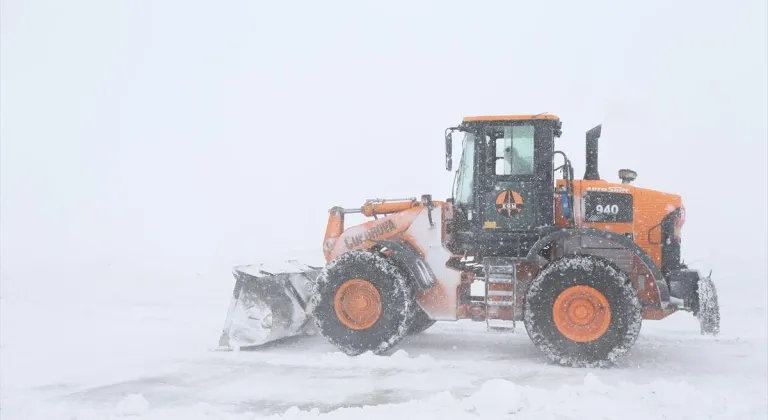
<point>149,146</point>
<point>147,137</point>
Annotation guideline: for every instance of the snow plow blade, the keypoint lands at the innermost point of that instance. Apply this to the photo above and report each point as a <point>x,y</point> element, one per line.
<point>268,304</point>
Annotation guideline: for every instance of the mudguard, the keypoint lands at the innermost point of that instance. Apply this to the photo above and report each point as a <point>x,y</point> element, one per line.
<point>407,257</point>
<point>659,281</point>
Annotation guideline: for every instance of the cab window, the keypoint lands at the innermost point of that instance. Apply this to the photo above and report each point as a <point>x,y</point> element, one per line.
<point>514,149</point>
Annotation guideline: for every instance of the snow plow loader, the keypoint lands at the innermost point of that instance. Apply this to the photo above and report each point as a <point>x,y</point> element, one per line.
<point>581,263</point>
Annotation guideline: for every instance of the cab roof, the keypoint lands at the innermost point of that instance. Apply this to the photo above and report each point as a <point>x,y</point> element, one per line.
<point>511,117</point>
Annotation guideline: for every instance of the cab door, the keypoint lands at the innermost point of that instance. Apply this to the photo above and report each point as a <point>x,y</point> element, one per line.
<point>510,197</point>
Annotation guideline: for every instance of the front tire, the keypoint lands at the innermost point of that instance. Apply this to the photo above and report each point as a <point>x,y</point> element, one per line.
<point>582,312</point>
<point>362,302</point>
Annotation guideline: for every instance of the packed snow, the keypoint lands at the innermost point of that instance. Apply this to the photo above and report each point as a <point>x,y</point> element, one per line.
<point>90,350</point>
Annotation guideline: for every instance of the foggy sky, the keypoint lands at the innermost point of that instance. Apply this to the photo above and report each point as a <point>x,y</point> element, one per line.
<point>208,134</point>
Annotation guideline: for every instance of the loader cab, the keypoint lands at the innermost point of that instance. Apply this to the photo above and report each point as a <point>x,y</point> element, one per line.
<point>504,187</point>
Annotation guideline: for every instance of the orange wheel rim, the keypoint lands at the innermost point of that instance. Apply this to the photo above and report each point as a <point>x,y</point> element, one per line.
<point>357,304</point>
<point>581,314</point>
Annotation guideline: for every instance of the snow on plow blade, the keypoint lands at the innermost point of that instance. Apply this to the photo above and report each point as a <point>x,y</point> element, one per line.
<point>268,304</point>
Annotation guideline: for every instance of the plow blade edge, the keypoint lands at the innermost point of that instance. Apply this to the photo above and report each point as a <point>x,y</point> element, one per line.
<point>268,303</point>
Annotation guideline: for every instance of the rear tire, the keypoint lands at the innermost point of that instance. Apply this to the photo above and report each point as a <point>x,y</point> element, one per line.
<point>707,307</point>
<point>381,305</point>
<point>597,317</point>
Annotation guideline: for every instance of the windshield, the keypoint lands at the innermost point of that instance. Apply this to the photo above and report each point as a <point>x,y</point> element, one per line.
<point>465,172</point>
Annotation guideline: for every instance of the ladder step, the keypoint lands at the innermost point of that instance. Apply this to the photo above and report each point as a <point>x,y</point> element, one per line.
<point>500,294</point>
<point>500,325</point>
<point>501,269</point>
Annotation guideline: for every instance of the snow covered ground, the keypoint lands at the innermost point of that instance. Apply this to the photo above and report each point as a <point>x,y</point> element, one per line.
<point>141,348</point>
<point>143,142</point>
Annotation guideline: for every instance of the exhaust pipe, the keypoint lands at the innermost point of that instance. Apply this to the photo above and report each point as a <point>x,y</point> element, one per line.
<point>591,172</point>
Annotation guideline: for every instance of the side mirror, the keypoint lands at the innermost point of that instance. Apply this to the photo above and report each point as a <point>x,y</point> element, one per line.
<point>448,151</point>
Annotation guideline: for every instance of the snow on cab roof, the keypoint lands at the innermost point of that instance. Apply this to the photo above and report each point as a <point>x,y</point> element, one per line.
<point>511,117</point>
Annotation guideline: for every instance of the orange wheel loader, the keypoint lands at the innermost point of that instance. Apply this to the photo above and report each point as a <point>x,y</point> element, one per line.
<point>580,262</point>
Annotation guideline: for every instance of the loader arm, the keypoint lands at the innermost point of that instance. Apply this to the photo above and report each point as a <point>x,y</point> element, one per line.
<point>399,214</point>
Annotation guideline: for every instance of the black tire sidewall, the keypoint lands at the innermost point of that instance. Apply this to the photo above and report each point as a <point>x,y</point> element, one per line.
<point>626,314</point>
<point>396,299</point>
<point>708,310</point>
